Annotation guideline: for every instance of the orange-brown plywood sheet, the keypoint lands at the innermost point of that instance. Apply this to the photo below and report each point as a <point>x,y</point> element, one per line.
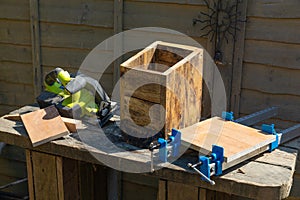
<point>44,125</point>
<point>236,139</point>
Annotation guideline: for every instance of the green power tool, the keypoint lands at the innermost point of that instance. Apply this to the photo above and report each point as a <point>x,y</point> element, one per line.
<point>76,96</point>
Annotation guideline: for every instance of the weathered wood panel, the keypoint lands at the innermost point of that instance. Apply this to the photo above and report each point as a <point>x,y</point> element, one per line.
<point>15,94</point>
<point>142,14</point>
<point>179,191</point>
<point>95,13</point>
<point>269,79</point>
<point>8,52</point>
<point>188,2</point>
<point>15,32</point>
<point>146,186</point>
<point>272,53</point>
<point>72,36</point>
<point>274,8</point>
<point>16,72</point>
<point>14,9</point>
<point>280,30</point>
<point>254,100</point>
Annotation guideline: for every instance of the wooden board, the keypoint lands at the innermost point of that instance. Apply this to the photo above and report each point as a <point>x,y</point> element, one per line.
<point>169,75</point>
<point>44,125</point>
<point>236,139</point>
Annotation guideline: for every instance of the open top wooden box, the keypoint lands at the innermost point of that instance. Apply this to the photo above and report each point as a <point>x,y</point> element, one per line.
<point>166,74</point>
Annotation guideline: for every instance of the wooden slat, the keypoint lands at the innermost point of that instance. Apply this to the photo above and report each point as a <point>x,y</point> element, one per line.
<point>280,30</point>
<point>15,32</point>
<point>162,190</point>
<point>253,100</point>
<point>36,46</point>
<point>16,94</point>
<point>72,36</point>
<point>187,2</point>
<point>177,191</point>
<point>272,53</point>
<point>60,176</point>
<point>95,13</point>
<point>237,140</point>
<point>8,52</point>
<point>100,182</point>
<point>16,72</point>
<point>202,194</point>
<point>142,14</point>
<point>86,179</point>
<point>71,179</point>
<point>238,54</point>
<point>270,79</point>
<point>14,9</point>
<point>274,8</point>
<point>44,125</point>
<point>44,175</point>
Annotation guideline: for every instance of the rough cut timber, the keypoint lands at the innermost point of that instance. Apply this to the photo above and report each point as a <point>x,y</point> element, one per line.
<point>237,140</point>
<point>44,125</point>
<point>166,74</point>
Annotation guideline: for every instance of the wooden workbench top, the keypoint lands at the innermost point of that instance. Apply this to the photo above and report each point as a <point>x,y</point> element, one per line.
<point>270,174</point>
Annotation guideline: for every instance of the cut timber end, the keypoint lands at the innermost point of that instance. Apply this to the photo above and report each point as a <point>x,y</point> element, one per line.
<point>236,139</point>
<point>164,74</point>
<point>44,125</point>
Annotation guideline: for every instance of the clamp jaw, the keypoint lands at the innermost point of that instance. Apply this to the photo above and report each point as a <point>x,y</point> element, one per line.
<point>210,165</point>
<point>271,130</point>
<point>174,142</point>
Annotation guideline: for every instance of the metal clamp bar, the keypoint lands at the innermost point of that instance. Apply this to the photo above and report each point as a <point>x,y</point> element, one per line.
<point>290,133</point>
<point>258,116</point>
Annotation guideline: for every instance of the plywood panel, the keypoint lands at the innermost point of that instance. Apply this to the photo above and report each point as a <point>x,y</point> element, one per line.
<point>15,32</point>
<point>44,125</point>
<point>271,79</point>
<point>274,8</point>
<point>95,13</point>
<point>272,53</point>
<point>73,36</point>
<point>236,139</point>
<point>143,14</point>
<point>281,30</point>
<point>253,100</point>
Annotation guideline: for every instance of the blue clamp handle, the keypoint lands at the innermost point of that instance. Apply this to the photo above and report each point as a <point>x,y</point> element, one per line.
<point>271,130</point>
<point>228,116</point>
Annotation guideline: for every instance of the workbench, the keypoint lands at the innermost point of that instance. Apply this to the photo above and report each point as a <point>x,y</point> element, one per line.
<point>65,169</point>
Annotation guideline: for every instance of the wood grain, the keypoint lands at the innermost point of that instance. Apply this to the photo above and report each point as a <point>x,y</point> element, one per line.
<point>272,53</point>
<point>237,140</point>
<point>144,14</point>
<point>278,30</point>
<point>44,125</point>
<point>177,88</point>
<point>269,79</point>
<point>274,9</point>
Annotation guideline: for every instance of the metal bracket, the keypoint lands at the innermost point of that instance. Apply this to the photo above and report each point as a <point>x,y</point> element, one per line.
<point>271,130</point>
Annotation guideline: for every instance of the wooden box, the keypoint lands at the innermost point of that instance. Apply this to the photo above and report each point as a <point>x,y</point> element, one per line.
<point>163,74</point>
